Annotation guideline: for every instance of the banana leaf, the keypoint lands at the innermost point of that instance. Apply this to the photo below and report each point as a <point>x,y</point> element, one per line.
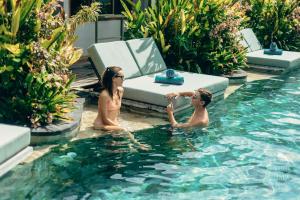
<point>26,9</point>
<point>75,56</point>
<point>54,37</point>
<point>15,23</point>
<point>127,12</point>
<point>13,48</point>
<point>183,22</point>
<point>137,6</point>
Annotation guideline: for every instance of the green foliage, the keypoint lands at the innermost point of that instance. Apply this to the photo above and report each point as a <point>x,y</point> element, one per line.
<point>185,31</point>
<point>275,20</point>
<point>218,47</point>
<point>36,49</point>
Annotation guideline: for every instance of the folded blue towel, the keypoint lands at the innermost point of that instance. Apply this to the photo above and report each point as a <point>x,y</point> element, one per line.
<point>170,73</point>
<point>273,46</point>
<point>177,80</point>
<point>270,52</point>
<point>273,50</point>
<point>169,77</point>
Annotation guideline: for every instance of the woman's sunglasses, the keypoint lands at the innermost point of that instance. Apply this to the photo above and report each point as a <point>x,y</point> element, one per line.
<point>119,76</point>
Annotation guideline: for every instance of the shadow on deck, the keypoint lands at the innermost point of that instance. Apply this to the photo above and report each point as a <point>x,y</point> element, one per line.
<point>85,75</point>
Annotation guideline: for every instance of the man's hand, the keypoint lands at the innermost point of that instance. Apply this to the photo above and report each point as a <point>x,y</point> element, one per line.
<point>172,95</point>
<point>170,108</point>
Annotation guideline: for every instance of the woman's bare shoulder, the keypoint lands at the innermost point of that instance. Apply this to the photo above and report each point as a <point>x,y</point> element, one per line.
<point>104,94</point>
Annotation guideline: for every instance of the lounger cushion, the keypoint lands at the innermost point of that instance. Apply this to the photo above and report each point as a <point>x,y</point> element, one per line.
<point>244,44</point>
<point>251,39</point>
<point>114,54</point>
<point>242,41</point>
<point>288,59</point>
<point>12,140</point>
<point>144,88</point>
<point>146,55</point>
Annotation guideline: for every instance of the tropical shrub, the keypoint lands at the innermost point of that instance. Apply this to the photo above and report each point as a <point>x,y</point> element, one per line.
<point>167,23</point>
<point>36,49</point>
<point>275,20</point>
<point>218,47</point>
<point>191,34</point>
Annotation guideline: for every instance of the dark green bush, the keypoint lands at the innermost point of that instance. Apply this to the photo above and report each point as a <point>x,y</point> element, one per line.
<point>218,47</point>
<point>193,35</point>
<point>275,20</point>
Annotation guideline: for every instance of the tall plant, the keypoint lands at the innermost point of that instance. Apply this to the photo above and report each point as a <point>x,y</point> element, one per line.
<point>275,20</point>
<point>183,29</point>
<point>170,23</point>
<point>218,48</point>
<point>36,49</point>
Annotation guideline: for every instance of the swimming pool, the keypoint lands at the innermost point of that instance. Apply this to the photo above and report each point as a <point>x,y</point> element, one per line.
<point>251,150</point>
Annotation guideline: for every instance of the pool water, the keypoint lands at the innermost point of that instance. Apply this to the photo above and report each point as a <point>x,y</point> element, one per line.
<point>251,150</point>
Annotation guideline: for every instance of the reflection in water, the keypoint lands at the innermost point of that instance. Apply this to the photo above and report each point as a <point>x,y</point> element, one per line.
<point>251,150</point>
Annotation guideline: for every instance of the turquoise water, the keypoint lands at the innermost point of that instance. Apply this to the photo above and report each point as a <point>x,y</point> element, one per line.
<point>251,150</point>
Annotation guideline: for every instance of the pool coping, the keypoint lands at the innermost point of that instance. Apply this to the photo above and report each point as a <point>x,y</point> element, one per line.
<point>61,130</point>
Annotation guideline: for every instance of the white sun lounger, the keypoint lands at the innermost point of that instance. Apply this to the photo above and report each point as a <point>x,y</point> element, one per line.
<point>14,147</point>
<point>141,60</point>
<point>288,60</point>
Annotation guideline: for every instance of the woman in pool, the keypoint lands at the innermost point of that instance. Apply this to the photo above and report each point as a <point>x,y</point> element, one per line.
<point>110,99</point>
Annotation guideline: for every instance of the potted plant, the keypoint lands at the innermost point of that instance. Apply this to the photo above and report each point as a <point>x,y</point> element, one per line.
<point>36,51</point>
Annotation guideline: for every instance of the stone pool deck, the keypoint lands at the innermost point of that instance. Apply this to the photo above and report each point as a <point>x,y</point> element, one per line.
<point>132,121</point>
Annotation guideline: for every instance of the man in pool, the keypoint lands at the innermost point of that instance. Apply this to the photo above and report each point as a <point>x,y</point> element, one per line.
<point>199,99</point>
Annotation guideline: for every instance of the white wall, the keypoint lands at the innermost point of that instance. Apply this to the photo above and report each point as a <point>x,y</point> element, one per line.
<point>85,36</point>
<point>107,31</point>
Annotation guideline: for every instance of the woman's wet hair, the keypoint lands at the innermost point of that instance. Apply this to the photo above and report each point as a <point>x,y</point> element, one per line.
<point>106,79</point>
<point>205,95</point>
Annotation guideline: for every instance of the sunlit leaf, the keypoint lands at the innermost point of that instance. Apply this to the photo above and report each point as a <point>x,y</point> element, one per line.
<point>13,48</point>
